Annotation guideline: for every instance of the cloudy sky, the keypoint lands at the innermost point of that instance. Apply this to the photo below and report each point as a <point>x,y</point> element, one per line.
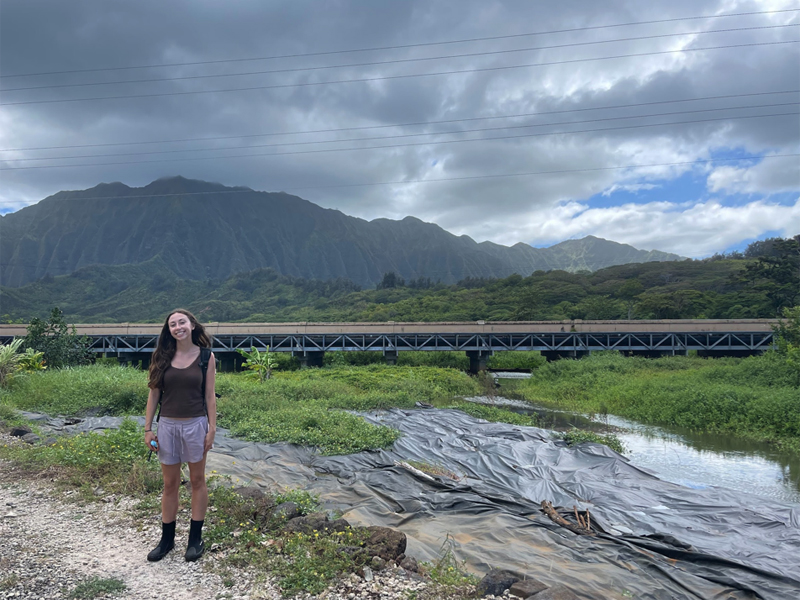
<point>669,124</point>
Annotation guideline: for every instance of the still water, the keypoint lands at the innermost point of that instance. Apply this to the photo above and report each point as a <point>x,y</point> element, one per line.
<point>695,460</point>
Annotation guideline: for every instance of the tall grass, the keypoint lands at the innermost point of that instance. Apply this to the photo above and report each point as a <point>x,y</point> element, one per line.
<point>755,397</point>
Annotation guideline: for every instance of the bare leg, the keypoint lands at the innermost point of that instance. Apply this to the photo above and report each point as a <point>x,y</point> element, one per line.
<point>197,475</point>
<point>169,499</point>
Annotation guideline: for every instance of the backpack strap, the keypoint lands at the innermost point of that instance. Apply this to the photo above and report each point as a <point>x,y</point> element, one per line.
<point>205,357</point>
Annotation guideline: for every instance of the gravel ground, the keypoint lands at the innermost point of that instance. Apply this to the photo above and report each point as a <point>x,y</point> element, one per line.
<point>49,545</point>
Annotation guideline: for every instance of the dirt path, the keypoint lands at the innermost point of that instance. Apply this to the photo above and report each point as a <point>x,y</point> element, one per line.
<point>47,547</point>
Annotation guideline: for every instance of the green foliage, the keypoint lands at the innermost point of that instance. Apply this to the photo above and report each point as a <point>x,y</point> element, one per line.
<point>579,436</point>
<point>60,345</point>
<point>107,390</point>
<point>788,338</point>
<point>447,570</point>
<point>755,397</point>
<point>97,587</point>
<point>32,361</point>
<point>306,502</point>
<point>260,362</point>
<point>114,460</point>
<point>495,414</point>
<point>776,272</point>
<point>9,361</point>
<point>713,288</point>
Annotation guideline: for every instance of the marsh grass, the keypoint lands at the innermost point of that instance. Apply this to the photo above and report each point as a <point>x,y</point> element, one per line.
<point>578,436</point>
<point>753,397</point>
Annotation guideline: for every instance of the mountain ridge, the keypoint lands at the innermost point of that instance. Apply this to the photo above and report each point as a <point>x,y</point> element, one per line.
<point>208,230</point>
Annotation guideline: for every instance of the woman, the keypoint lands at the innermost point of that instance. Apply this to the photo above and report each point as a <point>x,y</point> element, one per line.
<point>188,422</point>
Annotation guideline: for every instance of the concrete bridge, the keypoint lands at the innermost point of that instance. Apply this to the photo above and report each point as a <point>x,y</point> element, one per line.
<point>134,343</point>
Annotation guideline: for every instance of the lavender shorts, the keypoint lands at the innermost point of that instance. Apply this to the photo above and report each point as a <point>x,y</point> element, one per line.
<point>181,440</point>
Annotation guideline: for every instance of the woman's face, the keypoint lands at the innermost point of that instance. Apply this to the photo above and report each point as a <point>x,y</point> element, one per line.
<point>180,326</point>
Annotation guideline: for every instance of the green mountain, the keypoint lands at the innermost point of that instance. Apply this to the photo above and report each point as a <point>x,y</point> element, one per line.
<point>206,231</point>
<point>147,291</point>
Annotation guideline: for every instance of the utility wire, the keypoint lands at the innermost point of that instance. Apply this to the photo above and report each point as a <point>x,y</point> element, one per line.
<point>411,144</point>
<point>406,46</point>
<point>407,135</point>
<point>397,61</point>
<point>397,77</point>
<point>419,123</point>
<point>438,180</point>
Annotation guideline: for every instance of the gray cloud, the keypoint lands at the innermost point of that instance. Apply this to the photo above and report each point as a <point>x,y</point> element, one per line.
<point>57,36</point>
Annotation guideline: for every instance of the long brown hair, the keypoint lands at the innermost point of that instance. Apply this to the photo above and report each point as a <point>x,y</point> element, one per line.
<point>166,347</point>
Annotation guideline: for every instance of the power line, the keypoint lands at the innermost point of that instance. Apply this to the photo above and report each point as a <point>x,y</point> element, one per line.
<point>387,146</point>
<point>445,179</point>
<point>397,61</point>
<point>419,123</point>
<point>406,46</point>
<point>408,135</point>
<point>397,77</point>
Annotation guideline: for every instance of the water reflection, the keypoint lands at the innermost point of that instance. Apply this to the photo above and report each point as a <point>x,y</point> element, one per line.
<point>696,460</point>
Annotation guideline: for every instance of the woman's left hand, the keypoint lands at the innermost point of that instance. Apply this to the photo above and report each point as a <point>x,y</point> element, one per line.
<point>209,442</point>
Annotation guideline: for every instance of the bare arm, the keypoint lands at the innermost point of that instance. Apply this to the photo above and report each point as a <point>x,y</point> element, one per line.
<point>211,402</point>
<point>149,415</point>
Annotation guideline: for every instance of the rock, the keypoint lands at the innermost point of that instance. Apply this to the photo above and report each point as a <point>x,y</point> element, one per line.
<point>409,563</point>
<point>315,522</point>
<point>250,492</point>
<point>527,587</point>
<point>386,543</point>
<point>51,441</point>
<point>497,581</point>
<point>377,563</point>
<point>31,438</point>
<point>285,511</point>
<point>557,592</point>
<point>367,574</point>
<point>20,431</point>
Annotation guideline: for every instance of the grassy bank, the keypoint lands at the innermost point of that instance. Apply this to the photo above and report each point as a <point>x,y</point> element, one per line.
<point>306,407</point>
<point>755,397</point>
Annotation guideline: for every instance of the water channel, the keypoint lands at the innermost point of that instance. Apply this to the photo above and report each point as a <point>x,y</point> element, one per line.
<point>689,458</point>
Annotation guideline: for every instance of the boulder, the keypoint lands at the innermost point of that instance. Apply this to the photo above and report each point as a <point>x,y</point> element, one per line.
<point>285,511</point>
<point>315,522</point>
<point>20,430</point>
<point>250,492</point>
<point>496,581</point>
<point>526,588</point>
<point>386,543</point>
<point>557,592</point>
<point>51,441</point>
<point>409,563</point>
<point>31,438</point>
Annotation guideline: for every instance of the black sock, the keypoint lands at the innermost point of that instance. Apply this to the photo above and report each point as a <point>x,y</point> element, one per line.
<point>167,534</point>
<point>195,532</point>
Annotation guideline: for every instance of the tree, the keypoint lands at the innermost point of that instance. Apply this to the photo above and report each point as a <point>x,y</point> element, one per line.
<point>59,343</point>
<point>788,336</point>
<point>391,280</point>
<point>777,273</point>
<point>260,362</point>
<point>629,291</point>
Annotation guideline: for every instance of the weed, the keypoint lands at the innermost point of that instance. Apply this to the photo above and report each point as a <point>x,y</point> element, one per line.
<point>447,570</point>
<point>579,436</point>
<point>97,587</point>
<point>436,470</point>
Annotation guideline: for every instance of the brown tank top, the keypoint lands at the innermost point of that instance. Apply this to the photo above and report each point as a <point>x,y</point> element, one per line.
<point>183,392</point>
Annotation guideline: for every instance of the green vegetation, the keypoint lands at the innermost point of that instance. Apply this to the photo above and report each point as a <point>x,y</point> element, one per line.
<point>756,397</point>
<point>261,363</point>
<point>579,436</point>
<point>718,288</point>
<point>113,461</point>
<point>97,587</point>
<point>59,345</point>
<point>447,570</point>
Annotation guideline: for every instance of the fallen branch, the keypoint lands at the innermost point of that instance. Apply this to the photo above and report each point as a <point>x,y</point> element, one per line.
<point>583,527</point>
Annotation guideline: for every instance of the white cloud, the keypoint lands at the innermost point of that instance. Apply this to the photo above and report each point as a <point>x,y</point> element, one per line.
<point>691,229</point>
<point>780,174</point>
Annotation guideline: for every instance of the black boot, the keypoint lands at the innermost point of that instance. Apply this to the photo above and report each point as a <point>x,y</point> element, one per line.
<point>166,544</point>
<point>196,546</point>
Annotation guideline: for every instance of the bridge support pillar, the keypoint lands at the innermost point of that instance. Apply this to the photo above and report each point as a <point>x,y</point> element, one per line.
<point>478,360</point>
<point>309,358</point>
<point>390,356</point>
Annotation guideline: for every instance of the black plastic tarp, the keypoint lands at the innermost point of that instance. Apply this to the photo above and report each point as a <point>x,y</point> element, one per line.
<point>657,540</point>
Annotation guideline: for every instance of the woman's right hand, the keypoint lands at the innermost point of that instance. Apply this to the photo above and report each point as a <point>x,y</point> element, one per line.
<point>149,437</point>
